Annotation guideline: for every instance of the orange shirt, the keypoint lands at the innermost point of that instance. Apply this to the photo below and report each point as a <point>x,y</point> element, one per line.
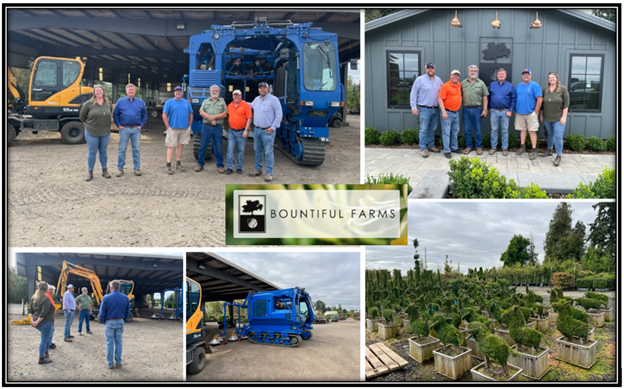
<point>237,116</point>
<point>451,95</point>
<point>52,301</point>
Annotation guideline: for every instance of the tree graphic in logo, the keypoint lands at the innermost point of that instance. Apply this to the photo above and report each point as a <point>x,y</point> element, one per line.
<point>252,206</point>
<point>253,223</point>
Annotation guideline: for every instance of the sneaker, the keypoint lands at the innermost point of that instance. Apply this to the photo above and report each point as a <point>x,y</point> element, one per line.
<point>168,169</point>
<point>119,173</point>
<point>448,155</point>
<point>239,171</point>
<point>557,160</point>
<point>137,172</point>
<point>434,149</point>
<point>423,153</point>
<point>180,167</point>
<point>479,151</point>
<point>533,154</point>
<point>457,151</point>
<point>505,153</point>
<point>229,171</point>
<point>520,150</point>
<point>492,151</point>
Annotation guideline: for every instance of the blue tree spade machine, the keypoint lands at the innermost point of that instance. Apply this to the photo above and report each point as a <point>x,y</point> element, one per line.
<point>280,317</point>
<point>298,61</point>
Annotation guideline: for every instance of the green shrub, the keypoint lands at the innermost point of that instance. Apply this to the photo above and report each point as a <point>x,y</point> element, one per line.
<point>371,135</point>
<point>389,138</point>
<point>374,312</point>
<point>409,136</point>
<point>390,178</point>
<point>611,143</point>
<point>589,303</point>
<point>486,140</point>
<point>513,140</point>
<point>596,144</point>
<point>598,281</point>
<point>603,188</point>
<point>598,296</point>
<point>563,280</point>
<point>575,142</point>
<point>530,192</point>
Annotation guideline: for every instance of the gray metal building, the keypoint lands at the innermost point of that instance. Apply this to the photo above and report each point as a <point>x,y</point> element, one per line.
<point>579,47</point>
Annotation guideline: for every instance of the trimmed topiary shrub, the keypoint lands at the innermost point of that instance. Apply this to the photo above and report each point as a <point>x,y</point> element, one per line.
<point>598,296</point>
<point>589,303</point>
<point>389,138</point>
<point>371,135</point>
<point>390,178</point>
<point>563,280</point>
<point>611,143</point>
<point>575,142</point>
<point>374,312</point>
<point>568,325</point>
<point>602,188</point>
<point>409,137</point>
<point>596,144</point>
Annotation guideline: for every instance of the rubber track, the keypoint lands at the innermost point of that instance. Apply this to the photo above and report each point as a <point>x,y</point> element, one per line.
<point>313,152</point>
<point>274,344</point>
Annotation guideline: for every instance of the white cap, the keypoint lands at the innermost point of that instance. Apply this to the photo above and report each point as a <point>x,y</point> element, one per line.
<point>455,71</point>
<point>237,92</point>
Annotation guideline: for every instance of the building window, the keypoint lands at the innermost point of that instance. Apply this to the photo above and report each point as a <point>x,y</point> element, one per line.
<point>585,85</point>
<point>403,69</point>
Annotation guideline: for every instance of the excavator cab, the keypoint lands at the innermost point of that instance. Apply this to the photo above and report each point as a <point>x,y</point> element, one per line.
<point>196,346</point>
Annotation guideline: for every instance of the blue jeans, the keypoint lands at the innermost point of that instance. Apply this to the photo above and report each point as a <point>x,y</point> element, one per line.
<point>84,316</point>
<point>215,133</point>
<point>47,331</point>
<point>235,139</point>
<point>450,129</point>
<point>554,136</point>
<point>429,118</point>
<point>69,319</point>
<point>134,135</point>
<point>472,119</point>
<point>499,119</point>
<point>113,329</point>
<point>263,143</point>
<point>95,144</point>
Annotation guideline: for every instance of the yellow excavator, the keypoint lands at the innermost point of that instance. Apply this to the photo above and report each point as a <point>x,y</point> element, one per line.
<point>55,95</point>
<point>196,346</point>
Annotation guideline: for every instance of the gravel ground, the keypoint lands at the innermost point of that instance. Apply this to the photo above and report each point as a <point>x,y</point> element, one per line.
<point>50,204</point>
<point>152,351</point>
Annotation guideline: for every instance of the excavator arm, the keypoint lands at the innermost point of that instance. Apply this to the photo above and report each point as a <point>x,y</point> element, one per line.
<point>19,97</point>
<point>70,268</point>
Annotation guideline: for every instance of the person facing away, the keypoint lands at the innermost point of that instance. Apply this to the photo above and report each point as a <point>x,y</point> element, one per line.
<point>114,310</point>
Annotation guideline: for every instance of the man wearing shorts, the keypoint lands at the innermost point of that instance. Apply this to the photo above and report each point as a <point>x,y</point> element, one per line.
<point>528,103</point>
<point>178,117</point>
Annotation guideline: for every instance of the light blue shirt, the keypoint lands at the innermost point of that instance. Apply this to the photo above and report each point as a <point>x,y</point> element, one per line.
<point>178,113</point>
<point>425,91</point>
<point>69,303</point>
<point>526,97</point>
<point>267,112</point>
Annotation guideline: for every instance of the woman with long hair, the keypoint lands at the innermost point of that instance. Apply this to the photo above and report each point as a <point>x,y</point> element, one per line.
<point>553,114</point>
<point>42,318</point>
<point>96,115</point>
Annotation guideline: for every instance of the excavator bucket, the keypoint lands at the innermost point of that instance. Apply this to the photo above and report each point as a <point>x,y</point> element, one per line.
<point>22,322</point>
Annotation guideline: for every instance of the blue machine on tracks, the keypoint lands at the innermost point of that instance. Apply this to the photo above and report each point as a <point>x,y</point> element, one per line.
<point>279,317</point>
<point>299,62</point>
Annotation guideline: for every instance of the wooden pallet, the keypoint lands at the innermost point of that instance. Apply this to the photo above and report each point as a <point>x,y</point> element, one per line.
<point>381,360</point>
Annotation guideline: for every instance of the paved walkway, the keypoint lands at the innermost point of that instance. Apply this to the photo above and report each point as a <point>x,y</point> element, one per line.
<point>409,163</point>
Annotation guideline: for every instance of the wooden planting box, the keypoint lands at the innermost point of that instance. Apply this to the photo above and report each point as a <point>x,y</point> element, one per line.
<point>577,354</point>
<point>596,318</point>
<point>608,314</point>
<point>552,315</point>
<point>464,332</point>
<point>474,349</point>
<point>406,325</point>
<point>371,324</point>
<point>541,324</point>
<point>423,351</point>
<point>503,333</point>
<point>532,324</point>
<point>515,371</point>
<point>387,331</point>
<point>452,367</point>
<point>590,335</point>
<point>533,366</point>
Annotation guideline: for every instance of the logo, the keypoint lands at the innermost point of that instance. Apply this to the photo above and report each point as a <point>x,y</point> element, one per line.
<point>251,213</point>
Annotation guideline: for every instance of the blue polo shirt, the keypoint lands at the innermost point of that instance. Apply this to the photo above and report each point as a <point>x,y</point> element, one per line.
<point>130,112</point>
<point>526,97</point>
<point>178,113</point>
<point>267,112</point>
<point>502,96</point>
<point>425,91</point>
<point>115,305</point>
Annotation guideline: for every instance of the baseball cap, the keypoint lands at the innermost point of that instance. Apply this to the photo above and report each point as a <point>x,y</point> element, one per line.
<point>526,71</point>
<point>430,65</point>
<point>237,92</point>
<point>456,71</point>
<point>263,84</point>
<point>177,88</point>
<point>70,286</point>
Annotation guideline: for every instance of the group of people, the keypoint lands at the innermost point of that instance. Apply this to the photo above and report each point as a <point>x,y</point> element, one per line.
<point>430,98</point>
<point>114,309</point>
<point>130,116</point>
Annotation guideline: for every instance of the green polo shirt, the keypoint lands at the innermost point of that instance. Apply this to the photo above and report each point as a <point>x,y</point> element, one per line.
<point>84,302</point>
<point>554,103</point>
<point>213,108</point>
<point>97,118</point>
<point>473,92</point>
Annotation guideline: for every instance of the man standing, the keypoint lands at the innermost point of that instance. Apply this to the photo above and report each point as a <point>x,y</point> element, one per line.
<point>50,294</point>
<point>85,307</point>
<point>529,101</point>
<point>114,309</point>
<point>129,116</point>
<point>239,119</point>
<point>69,306</point>
<point>212,111</point>
<point>449,100</point>
<point>474,96</point>
<point>178,117</point>
<point>267,117</point>
<point>501,103</point>
<point>424,103</point>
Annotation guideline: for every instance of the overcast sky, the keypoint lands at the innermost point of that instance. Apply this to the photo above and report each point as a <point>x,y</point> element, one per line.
<point>333,277</point>
<point>473,234</point>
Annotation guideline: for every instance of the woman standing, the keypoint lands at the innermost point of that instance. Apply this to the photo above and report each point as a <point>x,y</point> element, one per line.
<point>553,114</point>
<point>96,115</point>
<point>42,309</point>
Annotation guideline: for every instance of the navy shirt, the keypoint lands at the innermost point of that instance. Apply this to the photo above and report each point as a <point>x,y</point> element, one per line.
<point>114,305</point>
<point>130,112</point>
<point>502,96</point>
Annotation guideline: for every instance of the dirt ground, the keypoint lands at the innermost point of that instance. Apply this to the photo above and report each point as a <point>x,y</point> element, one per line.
<point>603,370</point>
<point>333,354</point>
<point>152,351</point>
<point>50,204</point>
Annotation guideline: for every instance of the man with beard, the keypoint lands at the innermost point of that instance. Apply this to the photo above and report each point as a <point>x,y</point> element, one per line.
<point>474,96</point>
<point>212,110</point>
<point>424,103</point>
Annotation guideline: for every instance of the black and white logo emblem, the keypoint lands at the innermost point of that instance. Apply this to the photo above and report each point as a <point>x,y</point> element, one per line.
<point>251,213</point>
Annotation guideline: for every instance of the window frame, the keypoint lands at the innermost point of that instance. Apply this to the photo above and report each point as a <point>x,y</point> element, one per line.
<point>601,82</point>
<point>388,83</point>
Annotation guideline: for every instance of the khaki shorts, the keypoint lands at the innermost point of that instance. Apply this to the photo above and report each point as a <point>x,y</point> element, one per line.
<point>527,122</point>
<point>178,136</point>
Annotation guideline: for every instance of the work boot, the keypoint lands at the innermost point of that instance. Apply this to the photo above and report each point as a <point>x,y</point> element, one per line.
<point>52,346</point>
<point>44,360</point>
<point>520,150</point>
<point>119,173</point>
<point>180,167</point>
<point>105,173</point>
<point>557,160</point>
<point>168,168</point>
<point>46,355</point>
<point>434,149</point>
<point>533,154</point>
<point>548,153</point>
<point>89,175</point>
<point>492,151</point>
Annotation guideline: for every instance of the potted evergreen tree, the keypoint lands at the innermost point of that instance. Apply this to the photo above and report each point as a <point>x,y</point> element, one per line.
<point>451,360</point>
<point>421,347</point>
<point>389,329</point>
<point>496,349</point>
<point>574,346</point>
